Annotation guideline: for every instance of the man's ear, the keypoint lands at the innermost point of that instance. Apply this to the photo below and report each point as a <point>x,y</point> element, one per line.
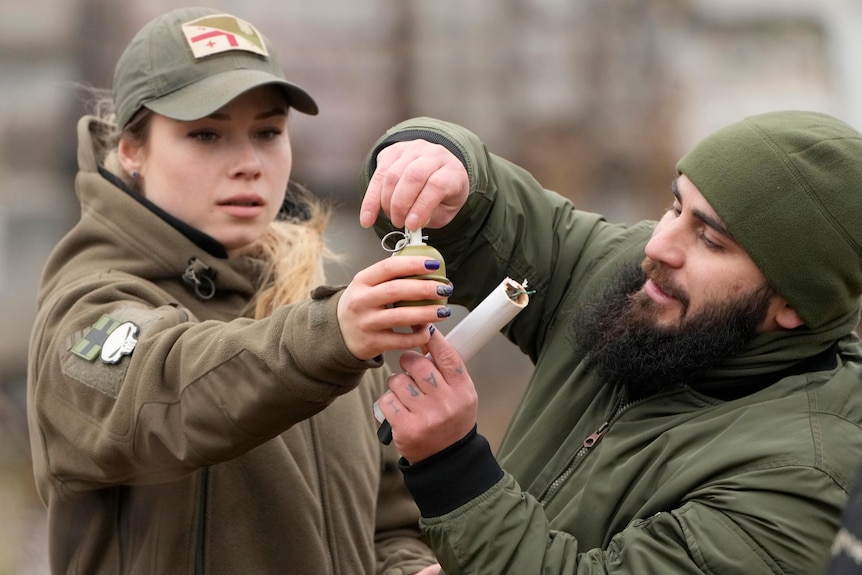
<point>787,317</point>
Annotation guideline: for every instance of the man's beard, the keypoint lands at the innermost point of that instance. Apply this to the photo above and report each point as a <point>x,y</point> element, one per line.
<point>623,343</point>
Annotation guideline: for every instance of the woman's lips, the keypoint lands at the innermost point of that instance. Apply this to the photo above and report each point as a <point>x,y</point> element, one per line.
<point>243,206</point>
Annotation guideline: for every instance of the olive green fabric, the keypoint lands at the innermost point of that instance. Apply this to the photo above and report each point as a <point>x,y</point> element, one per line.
<point>788,186</point>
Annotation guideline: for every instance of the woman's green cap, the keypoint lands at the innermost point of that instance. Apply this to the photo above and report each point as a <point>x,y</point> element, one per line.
<point>190,62</point>
<point>788,186</point>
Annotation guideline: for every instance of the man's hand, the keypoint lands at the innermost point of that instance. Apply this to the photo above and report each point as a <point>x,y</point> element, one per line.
<point>417,184</point>
<point>432,403</point>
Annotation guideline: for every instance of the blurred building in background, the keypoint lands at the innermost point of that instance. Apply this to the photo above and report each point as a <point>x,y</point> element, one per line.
<point>598,99</point>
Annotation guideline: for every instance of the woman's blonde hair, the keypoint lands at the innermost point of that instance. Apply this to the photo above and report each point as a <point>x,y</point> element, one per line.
<point>294,253</point>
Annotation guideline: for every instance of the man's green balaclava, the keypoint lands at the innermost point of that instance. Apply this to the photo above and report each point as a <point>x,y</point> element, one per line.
<point>788,186</point>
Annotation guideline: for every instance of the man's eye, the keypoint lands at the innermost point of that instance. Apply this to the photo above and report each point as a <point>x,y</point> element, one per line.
<point>711,245</point>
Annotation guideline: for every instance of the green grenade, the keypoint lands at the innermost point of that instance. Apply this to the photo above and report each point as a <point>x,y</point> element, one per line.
<point>416,247</point>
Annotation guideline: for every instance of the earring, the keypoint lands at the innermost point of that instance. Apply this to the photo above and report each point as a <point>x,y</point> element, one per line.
<point>136,174</point>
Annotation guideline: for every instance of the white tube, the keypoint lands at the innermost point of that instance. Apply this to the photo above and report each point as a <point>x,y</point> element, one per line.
<point>488,318</point>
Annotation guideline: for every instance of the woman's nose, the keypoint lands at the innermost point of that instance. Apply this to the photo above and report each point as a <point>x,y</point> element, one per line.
<point>246,160</point>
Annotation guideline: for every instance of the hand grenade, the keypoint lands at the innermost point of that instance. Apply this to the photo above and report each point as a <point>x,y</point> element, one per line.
<point>412,245</point>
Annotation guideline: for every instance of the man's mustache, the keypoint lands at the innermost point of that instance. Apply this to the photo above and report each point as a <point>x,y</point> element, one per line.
<point>660,275</point>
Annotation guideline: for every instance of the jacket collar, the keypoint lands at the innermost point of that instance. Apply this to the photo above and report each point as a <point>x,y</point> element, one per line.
<point>204,241</point>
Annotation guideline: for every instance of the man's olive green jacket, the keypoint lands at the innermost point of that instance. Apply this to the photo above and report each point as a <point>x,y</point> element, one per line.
<point>743,471</point>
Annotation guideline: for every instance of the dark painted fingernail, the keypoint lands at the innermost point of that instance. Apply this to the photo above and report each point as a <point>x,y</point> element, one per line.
<point>443,312</point>
<point>432,265</point>
<point>444,290</point>
<point>431,329</point>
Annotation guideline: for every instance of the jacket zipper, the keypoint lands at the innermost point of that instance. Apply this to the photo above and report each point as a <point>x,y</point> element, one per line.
<point>318,471</point>
<point>200,535</point>
<point>123,521</point>
<point>590,442</point>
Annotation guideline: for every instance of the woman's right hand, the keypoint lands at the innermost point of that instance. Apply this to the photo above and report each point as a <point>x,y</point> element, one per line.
<point>417,184</point>
<point>366,313</point>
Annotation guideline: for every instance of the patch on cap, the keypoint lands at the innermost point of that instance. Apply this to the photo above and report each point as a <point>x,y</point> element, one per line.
<point>222,33</point>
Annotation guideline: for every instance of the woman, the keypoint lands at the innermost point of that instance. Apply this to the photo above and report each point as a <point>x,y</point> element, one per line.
<point>183,418</point>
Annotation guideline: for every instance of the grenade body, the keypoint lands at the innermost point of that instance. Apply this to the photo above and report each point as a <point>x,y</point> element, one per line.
<point>439,275</point>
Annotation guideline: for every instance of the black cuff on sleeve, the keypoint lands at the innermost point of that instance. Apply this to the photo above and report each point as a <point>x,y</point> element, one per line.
<point>453,477</point>
<point>409,135</point>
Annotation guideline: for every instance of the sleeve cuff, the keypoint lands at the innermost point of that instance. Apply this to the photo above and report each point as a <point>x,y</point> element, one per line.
<point>453,477</point>
<point>414,134</point>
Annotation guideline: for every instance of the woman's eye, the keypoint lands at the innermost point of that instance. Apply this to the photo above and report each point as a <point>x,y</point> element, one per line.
<point>269,133</point>
<point>204,136</point>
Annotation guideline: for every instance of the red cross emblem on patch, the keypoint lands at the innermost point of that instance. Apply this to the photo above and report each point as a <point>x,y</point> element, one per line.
<point>222,33</point>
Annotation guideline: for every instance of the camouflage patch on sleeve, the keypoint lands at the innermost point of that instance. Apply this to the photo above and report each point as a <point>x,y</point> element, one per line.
<point>80,359</point>
<point>89,346</point>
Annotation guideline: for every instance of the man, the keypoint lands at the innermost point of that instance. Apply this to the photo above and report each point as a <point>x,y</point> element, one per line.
<point>697,395</point>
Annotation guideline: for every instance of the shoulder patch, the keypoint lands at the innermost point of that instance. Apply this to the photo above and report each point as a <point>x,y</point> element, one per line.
<point>121,341</point>
<point>109,340</point>
<point>90,346</point>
